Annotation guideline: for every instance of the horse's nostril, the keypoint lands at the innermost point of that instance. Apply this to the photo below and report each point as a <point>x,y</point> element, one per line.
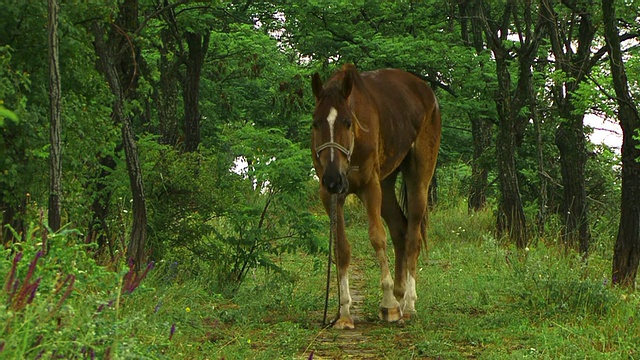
<point>332,183</point>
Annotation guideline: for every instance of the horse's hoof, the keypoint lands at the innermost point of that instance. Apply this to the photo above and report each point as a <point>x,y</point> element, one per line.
<point>390,314</point>
<point>407,315</point>
<point>344,323</point>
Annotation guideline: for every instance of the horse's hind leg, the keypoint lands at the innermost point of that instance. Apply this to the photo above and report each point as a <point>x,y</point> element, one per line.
<point>417,170</point>
<point>397,223</point>
<point>417,203</point>
<point>371,196</point>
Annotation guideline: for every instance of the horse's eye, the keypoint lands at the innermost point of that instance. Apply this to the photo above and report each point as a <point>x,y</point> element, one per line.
<point>314,125</point>
<point>347,123</point>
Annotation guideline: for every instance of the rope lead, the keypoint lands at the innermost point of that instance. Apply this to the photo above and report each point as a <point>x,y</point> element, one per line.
<point>333,216</point>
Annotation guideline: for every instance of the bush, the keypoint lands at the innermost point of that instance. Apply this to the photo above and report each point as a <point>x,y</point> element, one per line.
<point>57,302</point>
<point>229,220</point>
<point>551,285</point>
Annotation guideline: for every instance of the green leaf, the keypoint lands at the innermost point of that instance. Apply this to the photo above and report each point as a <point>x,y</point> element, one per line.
<point>6,113</point>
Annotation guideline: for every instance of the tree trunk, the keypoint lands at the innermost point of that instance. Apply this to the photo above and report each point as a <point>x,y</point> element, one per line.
<point>13,216</point>
<point>570,137</point>
<point>511,213</point>
<point>573,159</point>
<point>626,253</point>
<point>168,91</point>
<point>198,45</point>
<point>55,164</point>
<point>98,227</point>
<point>138,238</point>
<point>481,131</point>
<point>480,127</point>
<point>510,103</point>
<point>542,201</point>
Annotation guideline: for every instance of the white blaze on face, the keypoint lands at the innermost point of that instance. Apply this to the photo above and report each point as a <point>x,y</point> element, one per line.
<point>331,119</point>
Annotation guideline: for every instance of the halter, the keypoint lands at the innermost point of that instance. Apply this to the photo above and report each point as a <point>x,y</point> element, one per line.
<point>335,145</point>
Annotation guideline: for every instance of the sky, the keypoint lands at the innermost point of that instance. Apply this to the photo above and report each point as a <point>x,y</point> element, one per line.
<point>605,131</point>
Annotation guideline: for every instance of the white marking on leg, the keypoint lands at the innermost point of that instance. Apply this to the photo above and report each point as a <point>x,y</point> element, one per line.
<point>345,296</point>
<point>331,119</point>
<point>388,299</point>
<point>410,295</point>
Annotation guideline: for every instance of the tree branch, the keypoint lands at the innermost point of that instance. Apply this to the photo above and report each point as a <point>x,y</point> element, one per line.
<point>147,18</point>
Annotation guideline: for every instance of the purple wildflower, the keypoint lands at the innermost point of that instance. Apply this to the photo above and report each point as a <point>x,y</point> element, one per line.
<point>102,306</point>
<point>22,294</point>
<point>132,280</point>
<point>172,331</point>
<point>12,273</point>
<point>34,287</point>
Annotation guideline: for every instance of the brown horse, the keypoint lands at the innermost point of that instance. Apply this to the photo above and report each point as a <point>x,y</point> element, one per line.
<point>367,128</point>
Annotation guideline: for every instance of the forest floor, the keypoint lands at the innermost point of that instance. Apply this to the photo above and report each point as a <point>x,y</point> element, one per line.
<point>478,298</point>
<point>356,343</point>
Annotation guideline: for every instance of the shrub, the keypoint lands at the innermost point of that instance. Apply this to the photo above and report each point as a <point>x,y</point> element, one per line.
<point>57,302</point>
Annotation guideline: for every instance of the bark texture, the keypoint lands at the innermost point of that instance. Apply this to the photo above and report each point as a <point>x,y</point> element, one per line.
<point>107,62</point>
<point>626,253</point>
<point>55,162</point>
<point>198,45</point>
<point>570,138</point>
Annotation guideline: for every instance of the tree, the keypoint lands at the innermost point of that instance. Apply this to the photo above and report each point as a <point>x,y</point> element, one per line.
<point>573,66</point>
<point>116,69</point>
<point>626,256</point>
<point>197,45</point>
<point>480,125</point>
<point>167,90</point>
<point>510,102</point>
<point>55,162</point>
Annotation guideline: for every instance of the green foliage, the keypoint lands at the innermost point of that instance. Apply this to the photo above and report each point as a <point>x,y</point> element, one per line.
<point>57,302</point>
<point>245,242</point>
<point>453,186</point>
<point>230,222</point>
<point>553,287</point>
<point>7,114</point>
<point>476,297</point>
<point>479,298</point>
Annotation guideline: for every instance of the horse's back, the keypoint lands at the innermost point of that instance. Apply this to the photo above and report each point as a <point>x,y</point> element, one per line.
<point>405,105</point>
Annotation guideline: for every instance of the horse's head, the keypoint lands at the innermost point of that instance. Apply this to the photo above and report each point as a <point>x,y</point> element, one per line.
<point>333,136</point>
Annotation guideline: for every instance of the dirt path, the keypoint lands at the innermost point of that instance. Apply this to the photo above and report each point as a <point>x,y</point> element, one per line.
<point>348,344</point>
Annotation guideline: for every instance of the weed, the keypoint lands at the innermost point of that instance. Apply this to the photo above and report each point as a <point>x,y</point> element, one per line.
<point>477,298</point>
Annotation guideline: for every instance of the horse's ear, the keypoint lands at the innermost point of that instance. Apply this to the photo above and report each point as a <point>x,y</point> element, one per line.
<point>316,85</point>
<point>347,84</point>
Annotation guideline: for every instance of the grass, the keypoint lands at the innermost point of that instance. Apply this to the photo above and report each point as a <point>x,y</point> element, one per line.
<point>477,298</point>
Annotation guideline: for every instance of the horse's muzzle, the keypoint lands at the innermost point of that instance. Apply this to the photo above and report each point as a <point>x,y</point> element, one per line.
<point>335,182</point>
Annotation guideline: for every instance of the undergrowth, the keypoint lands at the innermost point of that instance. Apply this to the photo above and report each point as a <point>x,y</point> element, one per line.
<point>478,297</point>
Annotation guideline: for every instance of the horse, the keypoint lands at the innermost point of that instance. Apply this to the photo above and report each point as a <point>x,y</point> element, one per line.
<point>367,128</point>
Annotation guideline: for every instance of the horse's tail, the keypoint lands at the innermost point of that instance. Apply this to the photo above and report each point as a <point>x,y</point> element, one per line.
<point>404,204</point>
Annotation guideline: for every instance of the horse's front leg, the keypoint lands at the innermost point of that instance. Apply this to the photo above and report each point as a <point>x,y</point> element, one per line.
<point>371,196</point>
<point>342,256</point>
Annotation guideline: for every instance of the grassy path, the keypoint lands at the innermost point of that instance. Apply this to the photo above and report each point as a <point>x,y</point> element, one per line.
<point>478,298</point>
<point>351,344</point>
